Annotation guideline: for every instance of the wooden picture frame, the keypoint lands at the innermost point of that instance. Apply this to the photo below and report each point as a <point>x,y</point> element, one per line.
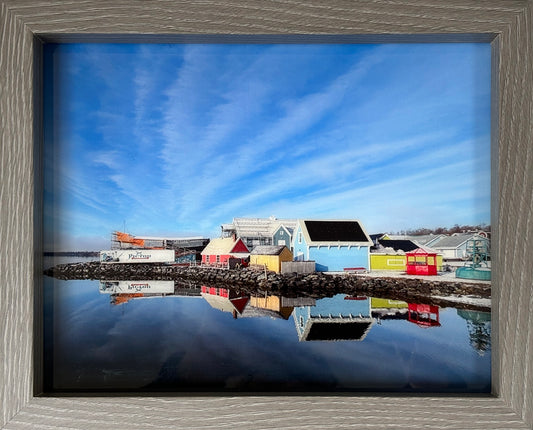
<point>26,25</point>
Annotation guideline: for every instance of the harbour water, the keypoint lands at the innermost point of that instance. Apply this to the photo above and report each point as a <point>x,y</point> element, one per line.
<point>165,336</point>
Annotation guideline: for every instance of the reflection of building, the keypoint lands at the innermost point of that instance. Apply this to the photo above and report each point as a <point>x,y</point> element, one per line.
<point>334,318</point>
<point>270,256</point>
<point>334,245</point>
<point>424,315</point>
<point>119,299</point>
<point>150,286</point>
<point>281,305</point>
<point>225,300</point>
<point>123,291</point>
<point>386,309</point>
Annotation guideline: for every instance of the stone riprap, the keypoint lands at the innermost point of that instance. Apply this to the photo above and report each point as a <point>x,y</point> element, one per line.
<point>421,290</point>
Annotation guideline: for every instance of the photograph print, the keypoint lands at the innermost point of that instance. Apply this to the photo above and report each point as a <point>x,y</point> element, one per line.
<point>274,217</point>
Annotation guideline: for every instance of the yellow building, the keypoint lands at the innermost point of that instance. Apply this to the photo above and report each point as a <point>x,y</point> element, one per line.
<point>387,262</point>
<point>394,262</point>
<point>270,255</point>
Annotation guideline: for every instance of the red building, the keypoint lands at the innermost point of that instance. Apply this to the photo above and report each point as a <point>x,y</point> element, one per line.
<point>421,262</point>
<point>221,250</point>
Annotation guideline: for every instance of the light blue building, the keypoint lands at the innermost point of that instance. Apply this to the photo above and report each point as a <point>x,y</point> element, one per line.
<point>334,318</point>
<point>334,245</point>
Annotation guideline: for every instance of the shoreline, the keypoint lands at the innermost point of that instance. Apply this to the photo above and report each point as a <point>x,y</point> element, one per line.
<point>447,291</point>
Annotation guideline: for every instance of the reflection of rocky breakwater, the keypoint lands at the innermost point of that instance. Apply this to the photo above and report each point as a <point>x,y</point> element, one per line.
<point>313,285</point>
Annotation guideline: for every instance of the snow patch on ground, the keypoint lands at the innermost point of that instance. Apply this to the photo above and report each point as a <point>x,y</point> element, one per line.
<point>441,276</point>
<point>469,300</point>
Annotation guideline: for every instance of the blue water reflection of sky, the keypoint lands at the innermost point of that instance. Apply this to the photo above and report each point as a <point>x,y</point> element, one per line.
<point>182,343</point>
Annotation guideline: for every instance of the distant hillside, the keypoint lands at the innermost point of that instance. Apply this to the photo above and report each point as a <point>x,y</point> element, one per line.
<point>445,230</point>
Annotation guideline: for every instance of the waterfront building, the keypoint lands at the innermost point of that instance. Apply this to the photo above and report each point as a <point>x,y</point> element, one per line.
<point>395,261</point>
<point>421,262</point>
<point>270,256</point>
<point>334,245</point>
<point>221,250</point>
<point>390,255</point>
<point>387,261</point>
<point>282,234</point>
<point>261,231</point>
<point>120,240</point>
<point>454,247</point>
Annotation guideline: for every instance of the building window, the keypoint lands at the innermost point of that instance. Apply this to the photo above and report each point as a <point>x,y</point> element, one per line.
<point>281,233</point>
<point>300,237</point>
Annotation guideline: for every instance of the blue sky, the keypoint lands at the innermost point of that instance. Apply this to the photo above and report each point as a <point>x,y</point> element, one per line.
<point>177,139</point>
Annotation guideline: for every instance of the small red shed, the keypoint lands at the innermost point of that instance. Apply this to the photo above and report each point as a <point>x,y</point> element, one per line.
<point>421,262</point>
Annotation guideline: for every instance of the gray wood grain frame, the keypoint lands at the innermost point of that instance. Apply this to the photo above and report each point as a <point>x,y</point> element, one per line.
<point>26,24</point>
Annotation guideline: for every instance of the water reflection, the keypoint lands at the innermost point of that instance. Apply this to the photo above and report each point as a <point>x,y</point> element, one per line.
<point>334,318</point>
<point>423,315</point>
<point>478,325</point>
<point>143,335</point>
<point>338,318</point>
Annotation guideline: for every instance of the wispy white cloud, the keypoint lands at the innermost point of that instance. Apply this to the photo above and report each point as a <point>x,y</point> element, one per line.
<point>186,137</point>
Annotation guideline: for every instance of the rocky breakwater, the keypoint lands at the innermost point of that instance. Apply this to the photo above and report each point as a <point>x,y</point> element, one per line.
<point>421,290</point>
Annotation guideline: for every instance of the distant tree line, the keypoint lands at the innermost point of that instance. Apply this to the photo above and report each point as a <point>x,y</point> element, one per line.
<point>445,230</point>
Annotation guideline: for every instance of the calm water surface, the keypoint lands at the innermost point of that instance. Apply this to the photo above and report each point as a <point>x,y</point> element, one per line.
<point>150,336</point>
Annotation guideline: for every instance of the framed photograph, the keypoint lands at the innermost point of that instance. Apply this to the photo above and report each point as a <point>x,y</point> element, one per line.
<point>29,27</point>
<point>376,276</point>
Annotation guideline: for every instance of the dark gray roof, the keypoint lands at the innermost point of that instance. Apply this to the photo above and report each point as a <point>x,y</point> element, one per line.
<point>335,231</point>
<point>403,245</point>
<point>453,241</point>
<point>268,250</point>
